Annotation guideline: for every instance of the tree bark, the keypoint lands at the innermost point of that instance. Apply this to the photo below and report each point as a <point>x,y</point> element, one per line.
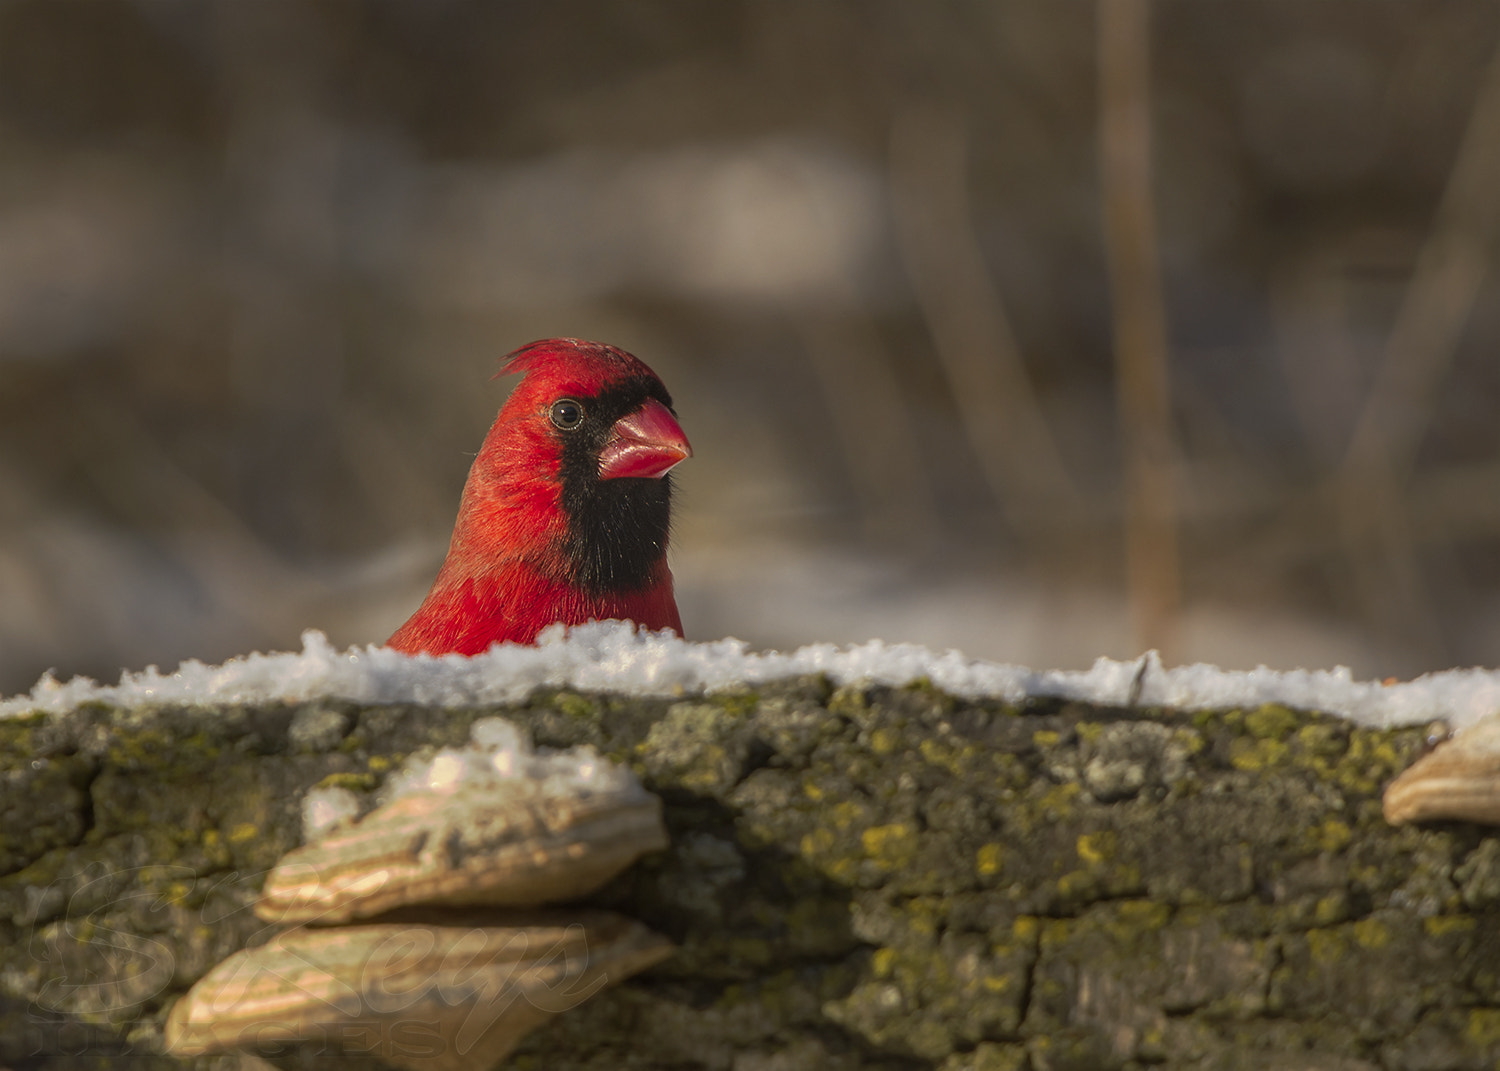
<point>858,878</point>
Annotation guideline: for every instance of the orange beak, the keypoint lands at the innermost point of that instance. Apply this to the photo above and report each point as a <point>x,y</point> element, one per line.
<point>647,443</point>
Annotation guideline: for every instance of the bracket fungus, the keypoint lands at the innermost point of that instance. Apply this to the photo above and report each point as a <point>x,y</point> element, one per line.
<point>457,961</point>
<point>1458,779</point>
<point>497,824</point>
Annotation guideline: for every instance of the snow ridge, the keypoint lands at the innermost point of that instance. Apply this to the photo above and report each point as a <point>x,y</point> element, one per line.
<point>613,656</point>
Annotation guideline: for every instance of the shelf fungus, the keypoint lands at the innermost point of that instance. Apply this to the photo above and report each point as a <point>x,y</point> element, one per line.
<point>496,824</point>
<point>419,934</point>
<point>1458,779</point>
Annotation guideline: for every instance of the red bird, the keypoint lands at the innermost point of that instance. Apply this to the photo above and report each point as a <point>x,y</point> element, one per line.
<point>565,513</point>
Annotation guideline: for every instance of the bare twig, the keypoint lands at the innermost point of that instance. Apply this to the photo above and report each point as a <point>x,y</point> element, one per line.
<point>1139,319</point>
<point>1434,310</point>
<point>970,329</point>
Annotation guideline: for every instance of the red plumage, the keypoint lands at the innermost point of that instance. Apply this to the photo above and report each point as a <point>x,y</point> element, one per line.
<point>560,520</point>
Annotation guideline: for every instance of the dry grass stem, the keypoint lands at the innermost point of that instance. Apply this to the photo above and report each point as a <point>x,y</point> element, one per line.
<point>970,329</point>
<point>1373,506</point>
<point>1151,550</point>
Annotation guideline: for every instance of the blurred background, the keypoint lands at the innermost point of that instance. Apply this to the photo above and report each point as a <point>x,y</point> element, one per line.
<point>1044,330</point>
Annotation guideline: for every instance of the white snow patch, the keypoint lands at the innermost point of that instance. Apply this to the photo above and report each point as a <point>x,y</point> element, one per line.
<point>500,751</point>
<point>325,808</point>
<point>613,656</point>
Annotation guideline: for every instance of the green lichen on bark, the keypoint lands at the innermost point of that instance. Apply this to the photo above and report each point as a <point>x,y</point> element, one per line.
<point>857,878</point>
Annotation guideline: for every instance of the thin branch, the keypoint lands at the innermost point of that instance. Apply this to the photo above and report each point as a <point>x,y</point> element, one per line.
<point>1374,511</point>
<point>967,319</point>
<point>1449,271</point>
<point>1151,551</point>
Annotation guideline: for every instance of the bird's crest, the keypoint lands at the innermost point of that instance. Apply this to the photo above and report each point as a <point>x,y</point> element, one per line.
<point>595,364</point>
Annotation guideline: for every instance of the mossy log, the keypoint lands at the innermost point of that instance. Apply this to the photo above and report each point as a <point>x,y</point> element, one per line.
<point>858,878</point>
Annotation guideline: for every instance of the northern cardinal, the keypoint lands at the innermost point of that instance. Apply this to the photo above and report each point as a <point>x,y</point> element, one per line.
<point>565,513</point>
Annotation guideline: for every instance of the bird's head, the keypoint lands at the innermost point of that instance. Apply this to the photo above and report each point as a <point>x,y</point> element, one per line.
<point>580,453</point>
<point>602,408</point>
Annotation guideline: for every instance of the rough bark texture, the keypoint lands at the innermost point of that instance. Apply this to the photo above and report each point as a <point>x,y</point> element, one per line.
<point>857,879</point>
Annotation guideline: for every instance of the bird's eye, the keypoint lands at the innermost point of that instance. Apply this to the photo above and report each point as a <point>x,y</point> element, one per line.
<point>566,414</point>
